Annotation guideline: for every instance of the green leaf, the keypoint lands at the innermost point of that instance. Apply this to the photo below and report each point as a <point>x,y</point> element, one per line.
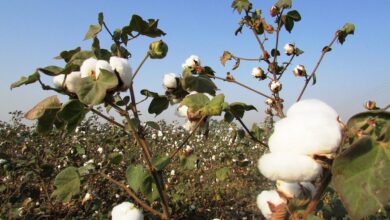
<point>85,169</point>
<point>78,58</point>
<point>92,92</point>
<point>275,53</point>
<point>201,84</point>
<point>284,4</point>
<point>72,112</point>
<point>153,125</point>
<point>38,110</point>
<point>188,163</point>
<point>66,55</point>
<point>147,28</point>
<point>160,162</point>
<point>47,120</point>
<point>257,131</point>
<point>294,14</point>
<point>67,184</point>
<point>361,176</point>
<point>136,176</point>
<point>241,4</point>
<point>238,109</point>
<point>222,173</point>
<point>51,70</point>
<point>228,117</point>
<point>93,31</point>
<point>298,51</point>
<point>26,80</point>
<point>214,107</point>
<point>225,57</point>
<point>148,93</point>
<point>115,158</point>
<point>241,133</point>
<point>288,23</point>
<point>195,101</point>
<point>158,105</point>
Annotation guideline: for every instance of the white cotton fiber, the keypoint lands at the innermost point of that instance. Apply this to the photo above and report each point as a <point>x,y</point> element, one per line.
<point>126,211</point>
<point>289,167</point>
<point>307,134</point>
<point>123,68</point>
<point>308,106</point>
<point>296,190</point>
<point>266,197</point>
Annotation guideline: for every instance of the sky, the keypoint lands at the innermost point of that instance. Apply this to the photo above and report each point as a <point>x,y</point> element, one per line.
<point>33,32</point>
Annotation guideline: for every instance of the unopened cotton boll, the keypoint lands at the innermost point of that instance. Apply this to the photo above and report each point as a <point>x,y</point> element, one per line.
<point>126,211</point>
<point>71,81</point>
<point>296,190</point>
<point>266,197</point>
<point>313,106</point>
<point>123,68</point>
<point>58,81</point>
<point>289,167</point>
<point>275,86</point>
<point>299,70</point>
<point>307,134</point>
<point>258,73</point>
<point>191,61</point>
<point>169,81</point>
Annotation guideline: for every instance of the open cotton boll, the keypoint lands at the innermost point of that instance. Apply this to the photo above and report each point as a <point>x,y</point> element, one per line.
<point>206,94</point>
<point>289,167</point>
<point>311,106</point>
<point>102,64</point>
<point>191,61</point>
<point>123,69</point>
<point>189,125</point>
<point>296,190</point>
<point>58,80</point>
<point>307,134</point>
<point>182,111</point>
<point>88,67</point>
<point>169,81</point>
<point>71,81</point>
<point>266,197</point>
<point>126,211</point>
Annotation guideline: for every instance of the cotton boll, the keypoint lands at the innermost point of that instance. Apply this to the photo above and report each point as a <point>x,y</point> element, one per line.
<point>289,167</point>
<point>124,70</point>
<point>307,134</point>
<point>182,111</point>
<point>206,94</point>
<point>58,80</point>
<point>88,67</point>
<point>169,81</point>
<point>189,125</point>
<point>102,64</point>
<point>126,211</point>
<point>191,61</point>
<point>313,106</point>
<point>266,197</point>
<point>295,190</point>
<point>71,80</point>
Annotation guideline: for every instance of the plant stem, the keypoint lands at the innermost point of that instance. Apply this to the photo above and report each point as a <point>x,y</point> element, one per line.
<point>250,133</point>
<point>287,65</point>
<point>107,118</point>
<point>139,66</point>
<point>316,67</point>
<point>133,195</point>
<point>187,137</point>
<point>320,191</point>
<point>247,59</point>
<point>277,42</point>
<point>240,84</point>
<point>265,56</point>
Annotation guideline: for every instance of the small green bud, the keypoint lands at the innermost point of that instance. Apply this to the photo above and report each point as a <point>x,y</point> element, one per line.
<point>158,49</point>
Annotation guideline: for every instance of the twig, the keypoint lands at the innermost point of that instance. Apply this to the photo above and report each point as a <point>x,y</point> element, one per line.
<point>133,195</point>
<point>316,67</point>
<point>107,118</point>
<point>139,66</point>
<point>285,67</point>
<point>247,59</point>
<point>320,191</point>
<point>279,19</point>
<point>265,56</point>
<point>249,132</point>
<point>187,138</point>
<point>240,84</point>
<point>385,108</point>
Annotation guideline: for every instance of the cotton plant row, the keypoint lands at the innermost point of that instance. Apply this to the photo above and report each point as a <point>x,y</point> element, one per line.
<point>311,128</point>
